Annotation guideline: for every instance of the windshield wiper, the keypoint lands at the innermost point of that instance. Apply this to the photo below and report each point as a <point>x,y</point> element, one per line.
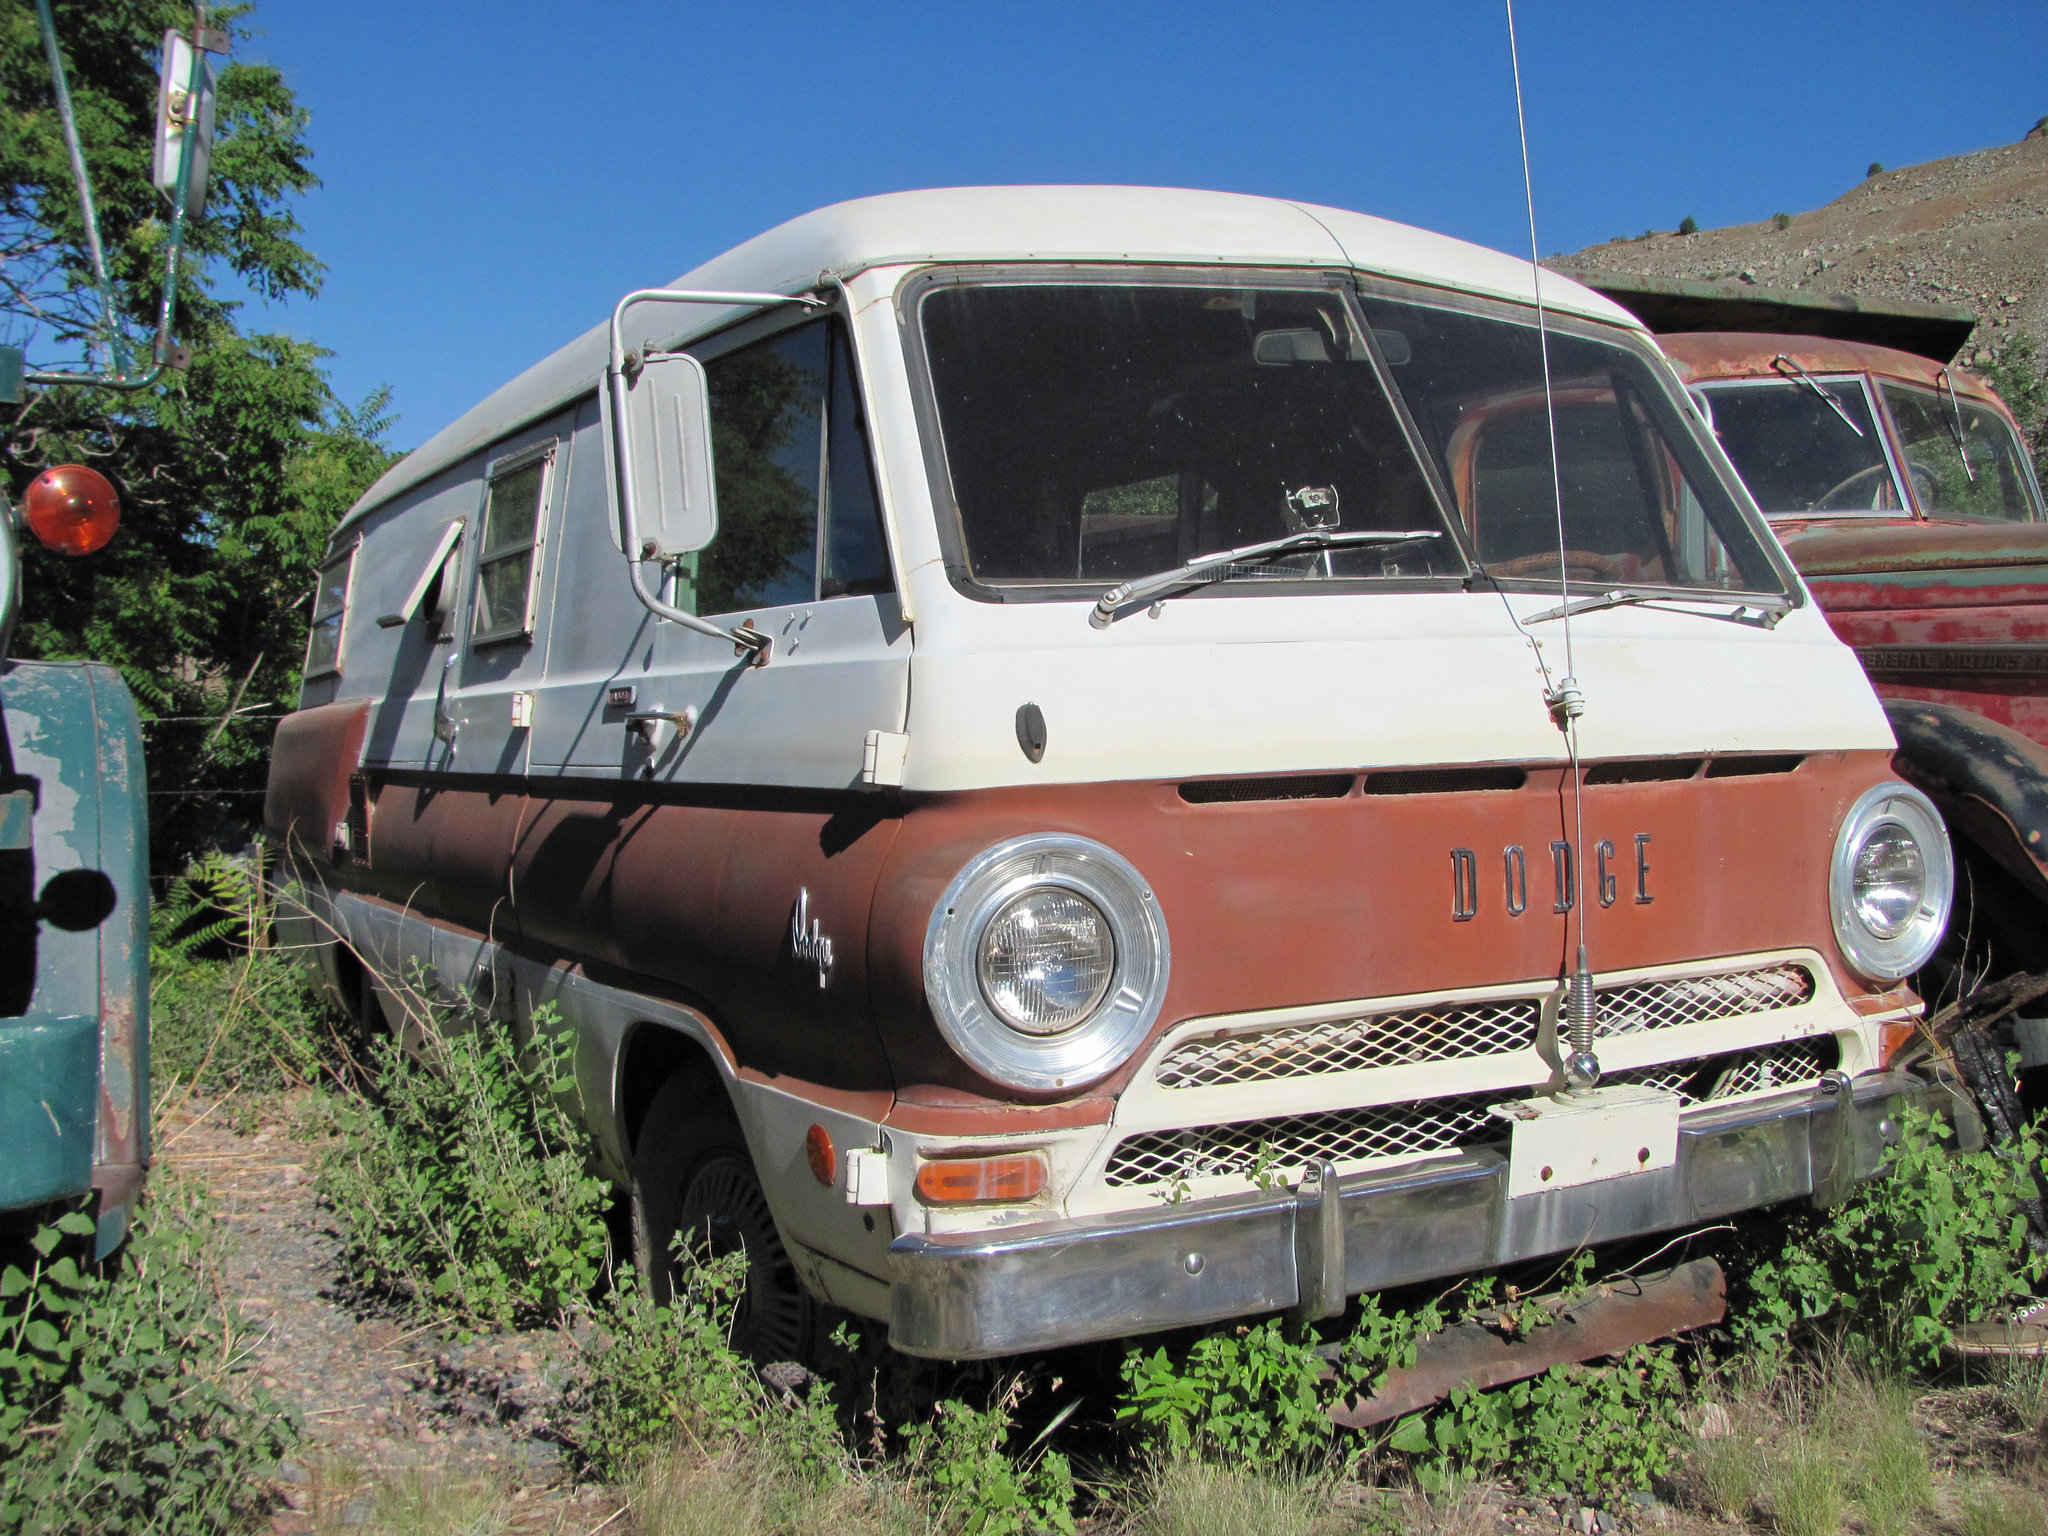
<point>1212,567</point>
<point>1814,384</point>
<point>1770,609</point>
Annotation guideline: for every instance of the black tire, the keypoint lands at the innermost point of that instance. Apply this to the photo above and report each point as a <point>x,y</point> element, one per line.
<point>693,1179</point>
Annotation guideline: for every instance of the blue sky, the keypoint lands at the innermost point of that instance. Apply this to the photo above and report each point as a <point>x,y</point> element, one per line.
<point>495,175</point>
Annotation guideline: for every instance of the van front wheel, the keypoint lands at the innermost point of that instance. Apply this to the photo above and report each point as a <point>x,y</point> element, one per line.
<point>696,1192</point>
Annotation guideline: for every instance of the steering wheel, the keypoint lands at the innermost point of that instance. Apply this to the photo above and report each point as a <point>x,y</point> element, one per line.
<point>1853,493</point>
<point>1578,564</point>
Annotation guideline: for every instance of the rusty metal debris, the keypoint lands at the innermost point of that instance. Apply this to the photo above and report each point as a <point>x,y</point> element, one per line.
<point>1498,1347</point>
<point>1962,1033</point>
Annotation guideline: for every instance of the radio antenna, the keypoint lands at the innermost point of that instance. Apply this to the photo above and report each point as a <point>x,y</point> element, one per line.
<point>1567,703</point>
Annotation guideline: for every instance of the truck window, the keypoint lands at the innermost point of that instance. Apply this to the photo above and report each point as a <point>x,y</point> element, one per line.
<point>330,604</point>
<point>1796,454</point>
<point>790,449</point>
<point>1640,503</point>
<point>1992,485</point>
<point>511,537</point>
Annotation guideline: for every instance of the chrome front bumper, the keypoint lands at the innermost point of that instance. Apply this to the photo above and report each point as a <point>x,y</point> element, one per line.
<point>982,1294</point>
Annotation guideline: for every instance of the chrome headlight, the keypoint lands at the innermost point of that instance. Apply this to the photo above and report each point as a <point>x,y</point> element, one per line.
<point>1891,881</point>
<point>1045,962</point>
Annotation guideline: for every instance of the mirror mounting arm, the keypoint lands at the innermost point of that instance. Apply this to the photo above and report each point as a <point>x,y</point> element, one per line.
<point>755,643</point>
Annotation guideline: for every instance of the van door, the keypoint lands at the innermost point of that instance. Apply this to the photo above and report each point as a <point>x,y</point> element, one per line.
<point>799,553</point>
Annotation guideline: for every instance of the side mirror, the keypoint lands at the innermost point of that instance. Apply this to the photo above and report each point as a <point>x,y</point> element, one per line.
<point>663,458</point>
<point>185,98</point>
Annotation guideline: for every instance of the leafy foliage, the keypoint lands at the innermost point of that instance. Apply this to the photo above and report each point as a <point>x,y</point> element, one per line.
<point>2021,379</point>
<point>122,1403</point>
<point>1936,1242</point>
<point>977,1483</point>
<point>1577,1429</point>
<point>1248,1391</point>
<point>468,1182</point>
<point>226,1009</point>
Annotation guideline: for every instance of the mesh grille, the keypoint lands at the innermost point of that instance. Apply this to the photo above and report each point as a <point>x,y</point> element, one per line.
<point>1293,1141</point>
<point>1646,1005</point>
<point>1342,1045</point>
<point>1796,1064</point>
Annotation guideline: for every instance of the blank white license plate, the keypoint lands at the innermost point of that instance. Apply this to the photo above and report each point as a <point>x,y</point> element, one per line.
<point>1606,1133</point>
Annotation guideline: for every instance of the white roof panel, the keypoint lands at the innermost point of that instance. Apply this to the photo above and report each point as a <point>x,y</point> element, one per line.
<point>1156,225</point>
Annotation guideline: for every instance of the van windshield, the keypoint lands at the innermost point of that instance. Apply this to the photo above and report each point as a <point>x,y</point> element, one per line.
<point>1098,431</point>
<point>1641,505</point>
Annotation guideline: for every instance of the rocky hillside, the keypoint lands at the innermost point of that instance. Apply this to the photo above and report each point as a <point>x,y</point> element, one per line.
<point>1969,232</point>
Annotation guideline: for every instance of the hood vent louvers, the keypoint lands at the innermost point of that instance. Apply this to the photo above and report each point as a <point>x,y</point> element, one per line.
<point>1443,781</point>
<point>1750,767</point>
<point>1300,786</point>
<point>1651,770</point>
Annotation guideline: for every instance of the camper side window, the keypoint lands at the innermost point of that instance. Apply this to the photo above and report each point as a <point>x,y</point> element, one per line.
<point>330,605</point>
<point>511,538</point>
<point>794,482</point>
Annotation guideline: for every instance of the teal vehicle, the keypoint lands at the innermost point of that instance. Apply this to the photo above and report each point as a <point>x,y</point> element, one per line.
<point>74,879</point>
<point>74,937</point>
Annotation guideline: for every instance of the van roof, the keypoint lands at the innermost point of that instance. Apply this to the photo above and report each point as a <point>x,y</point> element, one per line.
<point>1155,225</point>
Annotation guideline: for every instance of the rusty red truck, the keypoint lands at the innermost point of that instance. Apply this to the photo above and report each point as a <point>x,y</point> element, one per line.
<point>1901,486</point>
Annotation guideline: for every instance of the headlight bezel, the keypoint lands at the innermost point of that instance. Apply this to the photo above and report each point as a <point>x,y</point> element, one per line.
<point>1084,1052</point>
<point>1886,805</point>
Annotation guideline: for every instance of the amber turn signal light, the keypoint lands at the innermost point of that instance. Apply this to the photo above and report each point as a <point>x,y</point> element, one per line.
<point>72,509</point>
<point>980,1180</point>
<point>821,1155</point>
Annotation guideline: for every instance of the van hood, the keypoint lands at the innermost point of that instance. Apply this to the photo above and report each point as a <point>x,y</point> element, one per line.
<point>1218,686</point>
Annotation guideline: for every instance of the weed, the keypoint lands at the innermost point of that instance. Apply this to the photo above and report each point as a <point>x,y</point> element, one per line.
<point>1182,1496</point>
<point>1805,1488</point>
<point>1247,1391</point>
<point>1727,1473</point>
<point>122,1407</point>
<point>1891,1477</point>
<point>469,1185</point>
<point>1935,1242</point>
<point>1590,1431</point>
<point>1990,1511</point>
<point>227,1010</point>
<point>748,1490</point>
<point>420,1502</point>
<point>960,1456</point>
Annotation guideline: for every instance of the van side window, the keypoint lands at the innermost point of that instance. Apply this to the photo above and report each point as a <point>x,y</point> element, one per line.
<point>505,554</point>
<point>767,420</point>
<point>856,554</point>
<point>794,477</point>
<point>330,604</point>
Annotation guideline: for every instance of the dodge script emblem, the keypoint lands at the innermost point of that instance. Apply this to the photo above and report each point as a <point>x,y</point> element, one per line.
<point>807,940</point>
<point>1607,868</point>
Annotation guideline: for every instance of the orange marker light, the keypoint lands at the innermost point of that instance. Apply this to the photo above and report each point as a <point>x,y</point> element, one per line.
<point>980,1180</point>
<point>823,1156</point>
<point>1894,1038</point>
<point>72,509</point>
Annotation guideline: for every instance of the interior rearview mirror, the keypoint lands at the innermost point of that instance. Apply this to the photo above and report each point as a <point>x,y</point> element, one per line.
<point>1277,349</point>
<point>665,451</point>
<point>184,112</point>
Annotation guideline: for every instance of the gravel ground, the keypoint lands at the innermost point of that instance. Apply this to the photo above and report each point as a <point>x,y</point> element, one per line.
<point>382,1398</point>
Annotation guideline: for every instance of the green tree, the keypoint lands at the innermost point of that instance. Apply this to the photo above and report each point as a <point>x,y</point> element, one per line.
<point>2021,379</point>
<point>231,475</point>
